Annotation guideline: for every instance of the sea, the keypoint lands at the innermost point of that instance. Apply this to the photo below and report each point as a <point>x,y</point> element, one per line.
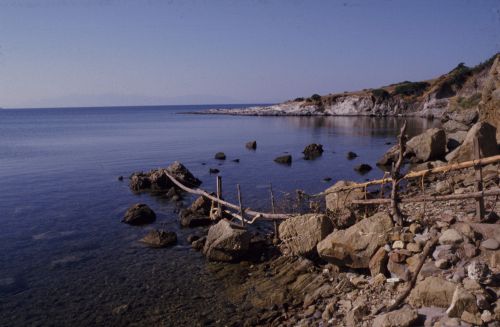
<point>66,259</point>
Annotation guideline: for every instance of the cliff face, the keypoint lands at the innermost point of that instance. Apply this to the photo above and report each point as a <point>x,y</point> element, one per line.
<point>462,89</point>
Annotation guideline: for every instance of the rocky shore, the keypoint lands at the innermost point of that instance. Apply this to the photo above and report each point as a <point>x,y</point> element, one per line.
<point>344,264</point>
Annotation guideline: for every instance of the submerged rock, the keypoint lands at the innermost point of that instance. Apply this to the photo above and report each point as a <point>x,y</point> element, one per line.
<point>301,234</point>
<point>285,160</point>
<point>312,151</point>
<point>226,242</point>
<point>363,168</point>
<point>355,246</point>
<point>351,155</point>
<point>159,238</point>
<point>430,145</point>
<point>139,214</point>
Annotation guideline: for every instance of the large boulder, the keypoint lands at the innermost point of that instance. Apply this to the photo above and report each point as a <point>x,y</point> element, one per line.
<point>432,291</point>
<point>139,214</point>
<point>338,199</point>
<point>486,135</point>
<point>226,242</point>
<point>312,151</point>
<point>353,247</point>
<point>301,234</point>
<point>190,218</point>
<point>157,180</point>
<point>404,317</point>
<point>390,156</point>
<point>452,126</point>
<point>430,145</point>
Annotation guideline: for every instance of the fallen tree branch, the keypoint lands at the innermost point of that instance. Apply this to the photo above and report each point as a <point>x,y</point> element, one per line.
<point>431,198</point>
<point>258,215</point>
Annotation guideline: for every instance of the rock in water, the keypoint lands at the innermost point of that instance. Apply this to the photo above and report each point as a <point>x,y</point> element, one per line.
<point>285,160</point>
<point>486,135</point>
<point>353,247</point>
<point>252,145</point>
<point>363,168</point>
<point>190,218</point>
<point>404,317</point>
<point>159,238</point>
<point>157,180</point>
<point>301,234</point>
<point>312,151</point>
<point>432,291</point>
<point>430,145</point>
<point>351,155</point>
<point>390,156</point>
<point>139,214</point>
<point>220,156</point>
<point>226,242</point>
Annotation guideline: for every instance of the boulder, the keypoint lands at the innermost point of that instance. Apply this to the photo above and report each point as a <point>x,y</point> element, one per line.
<point>450,237</point>
<point>452,126</point>
<point>226,242</point>
<point>285,160</point>
<point>312,151</point>
<point>190,218</point>
<point>159,238</point>
<point>139,214</point>
<point>462,301</point>
<point>252,145</point>
<point>404,317</point>
<point>455,139</point>
<point>389,157</point>
<point>486,135</point>
<point>430,145</point>
<point>432,291</point>
<point>220,156</point>
<point>337,200</point>
<point>354,247</point>
<point>201,205</point>
<point>363,168</point>
<point>378,262</point>
<point>301,234</point>
<point>157,180</point>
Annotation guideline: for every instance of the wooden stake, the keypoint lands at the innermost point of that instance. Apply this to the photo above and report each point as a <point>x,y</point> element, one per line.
<point>478,185</point>
<point>219,195</point>
<point>242,212</point>
<point>396,176</point>
<point>273,210</point>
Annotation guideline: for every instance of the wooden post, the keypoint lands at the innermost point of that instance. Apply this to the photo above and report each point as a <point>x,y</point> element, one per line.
<point>396,176</point>
<point>242,212</point>
<point>219,195</point>
<point>276,234</point>
<point>478,185</point>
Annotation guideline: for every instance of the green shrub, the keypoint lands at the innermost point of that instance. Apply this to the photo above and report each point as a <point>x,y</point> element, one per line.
<point>298,99</point>
<point>380,94</point>
<point>470,102</point>
<point>316,97</point>
<point>411,88</point>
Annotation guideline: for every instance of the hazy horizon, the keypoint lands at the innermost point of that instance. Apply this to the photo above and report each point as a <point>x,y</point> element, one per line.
<point>69,53</point>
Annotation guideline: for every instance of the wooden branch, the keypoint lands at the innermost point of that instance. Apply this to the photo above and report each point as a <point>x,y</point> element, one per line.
<point>431,198</point>
<point>197,191</point>
<point>396,176</point>
<point>399,300</point>
<point>420,173</point>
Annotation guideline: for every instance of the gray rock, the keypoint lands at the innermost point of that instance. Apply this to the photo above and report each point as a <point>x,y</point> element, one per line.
<point>490,244</point>
<point>455,140</point>
<point>337,200</point>
<point>453,126</point>
<point>301,234</point>
<point>450,236</point>
<point>404,317</point>
<point>363,168</point>
<point>389,157</point>
<point>486,135</point>
<point>226,242</point>
<point>353,247</point>
<point>312,151</point>
<point>285,160</point>
<point>430,145</point>
<point>139,214</point>
<point>159,238</point>
<point>220,156</point>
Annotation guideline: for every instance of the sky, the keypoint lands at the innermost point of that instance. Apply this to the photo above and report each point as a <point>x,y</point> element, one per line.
<point>57,53</point>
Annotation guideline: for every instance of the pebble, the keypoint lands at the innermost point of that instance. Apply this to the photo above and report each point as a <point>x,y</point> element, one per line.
<point>398,245</point>
<point>490,244</point>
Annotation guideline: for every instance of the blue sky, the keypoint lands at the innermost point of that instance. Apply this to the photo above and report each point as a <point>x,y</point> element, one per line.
<point>133,52</point>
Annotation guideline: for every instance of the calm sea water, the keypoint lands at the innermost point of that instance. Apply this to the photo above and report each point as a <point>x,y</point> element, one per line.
<point>65,258</point>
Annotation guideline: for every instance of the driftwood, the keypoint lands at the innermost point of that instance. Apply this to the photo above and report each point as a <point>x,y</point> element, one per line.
<point>257,215</point>
<point>400,299</point>
<point>431,198</point>
<point>395,178</point>
<point>420,173</point>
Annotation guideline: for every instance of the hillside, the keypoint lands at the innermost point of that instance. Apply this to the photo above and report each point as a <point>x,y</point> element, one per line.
<point>463,89</point>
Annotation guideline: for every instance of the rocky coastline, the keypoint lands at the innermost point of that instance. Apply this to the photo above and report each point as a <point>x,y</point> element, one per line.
<point>343,264</point>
